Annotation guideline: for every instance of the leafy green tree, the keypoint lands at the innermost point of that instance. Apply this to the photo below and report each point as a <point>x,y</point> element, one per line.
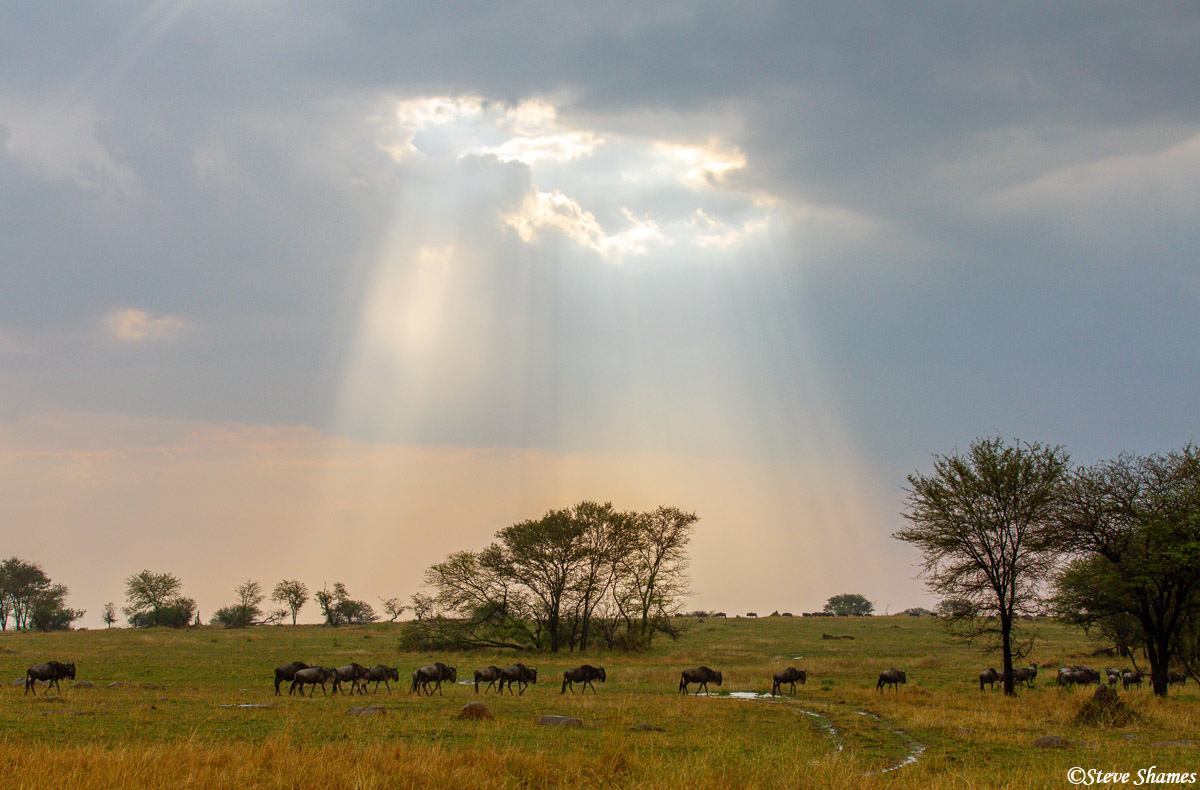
<point>984,523</point>
<point>246,612</point>
<point>651,567</point>
<point>1132,529</point>
<point>49,611</point>
<point>21,583</point>
<point>109,614</point>
<point>154,599</point>
<point>338,607</point>
<point>553,582</point>
<point>848,604</point>
<point>292,594</point>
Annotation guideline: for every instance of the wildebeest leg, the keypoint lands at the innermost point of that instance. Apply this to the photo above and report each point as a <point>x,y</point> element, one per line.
<point>29,684</point>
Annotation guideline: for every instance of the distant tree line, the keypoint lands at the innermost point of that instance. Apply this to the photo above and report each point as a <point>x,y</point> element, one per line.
<point>584,576</point>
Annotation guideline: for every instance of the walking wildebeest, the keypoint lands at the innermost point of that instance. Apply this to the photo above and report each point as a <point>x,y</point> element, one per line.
<point>50,672</point>
<point>790,675</point>
<point>1113,675</point>
<point>433,673</point>
<point>891,677</point>
<point>518,673</point>
<point>585,675</point>
<point>701,675</point>
<point>489,675</point>
<point>352,673</point>
<point>989,677</point>
<point>287,672</point>
<point>1131,678</point>
<point>1176,677</point>
<point>311,676</point>
<point>382,674</point>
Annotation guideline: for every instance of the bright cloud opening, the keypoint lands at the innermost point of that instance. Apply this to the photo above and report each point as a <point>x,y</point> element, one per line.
<point>138,326</point>
<point>617,195</point>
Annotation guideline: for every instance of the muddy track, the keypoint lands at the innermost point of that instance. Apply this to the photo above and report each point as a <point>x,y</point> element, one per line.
<point>914,748</point>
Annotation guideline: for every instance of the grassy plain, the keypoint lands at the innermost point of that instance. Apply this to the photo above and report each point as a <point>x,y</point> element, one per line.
<point>169,724</point>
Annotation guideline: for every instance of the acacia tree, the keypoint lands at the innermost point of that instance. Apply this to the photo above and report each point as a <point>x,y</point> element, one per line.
<point>984,524</point>
<point>1132,527</point>
<point>154,599</point>
<point>848,604</point>
<point>109,614</point>
<point>652,570</point>
<point>21,583</point>
<point>247,611</point>
<point>292,594</point>
<point>554,582</point>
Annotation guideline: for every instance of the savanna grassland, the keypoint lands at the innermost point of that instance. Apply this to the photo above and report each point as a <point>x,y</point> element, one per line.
<point>171,723</point>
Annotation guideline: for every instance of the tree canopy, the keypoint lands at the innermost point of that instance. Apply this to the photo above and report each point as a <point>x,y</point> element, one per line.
<point>154,599</point>
<point>1131,528</point>
<point>561,581</point>
<point>848,604</point>
<point>984,524</point>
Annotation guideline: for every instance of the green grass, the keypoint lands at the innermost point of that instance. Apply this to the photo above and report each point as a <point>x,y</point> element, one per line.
<point>837,731</point>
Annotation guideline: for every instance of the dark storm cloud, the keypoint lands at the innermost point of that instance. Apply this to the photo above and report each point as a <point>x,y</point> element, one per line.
<point>230,184</point>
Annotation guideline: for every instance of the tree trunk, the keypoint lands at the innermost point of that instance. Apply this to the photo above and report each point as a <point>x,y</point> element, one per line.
<point>1159,652</point>
<point>1006,653</point>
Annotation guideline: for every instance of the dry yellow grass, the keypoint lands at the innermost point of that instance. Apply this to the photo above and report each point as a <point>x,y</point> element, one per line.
<point>838,732</point>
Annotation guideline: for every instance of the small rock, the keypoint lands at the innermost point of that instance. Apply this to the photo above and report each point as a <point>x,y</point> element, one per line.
<point>1173,743</point>
<point>150,686</point>
<point>369,710</point>
<point>83,684</point>
<point>476,711</point>
<point>1051,742</point>
<point>116,684</point>
<point>643,727</point>
<point>560,721</point>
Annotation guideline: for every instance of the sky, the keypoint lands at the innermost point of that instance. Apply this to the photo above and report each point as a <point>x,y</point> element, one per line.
<point>328,291</point>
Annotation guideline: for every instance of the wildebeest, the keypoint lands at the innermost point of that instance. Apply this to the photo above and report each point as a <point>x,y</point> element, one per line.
<point>433,673</point>
<point>311,676</point>
<point>353,673</point>
<point>701,675</point>
<point>287,672</point>
<point>1176,677</point>
<point>50,672</point>
<point>1114,675</point>
<point>988,677</point>
<point>790,675</point>
<point>489,675</point>
<point>1076,676</point>
<point>518,673</point>
<point>584,674</point>
<point>1131,678</point>
<point>891,677</point>
<point>1027,674</point>
<point>382,674</point>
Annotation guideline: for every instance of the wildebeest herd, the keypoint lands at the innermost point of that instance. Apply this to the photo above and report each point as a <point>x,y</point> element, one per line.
<point>429,678</point>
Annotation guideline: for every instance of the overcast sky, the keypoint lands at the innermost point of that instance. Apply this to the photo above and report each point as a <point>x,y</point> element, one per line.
<point>328,291</point>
